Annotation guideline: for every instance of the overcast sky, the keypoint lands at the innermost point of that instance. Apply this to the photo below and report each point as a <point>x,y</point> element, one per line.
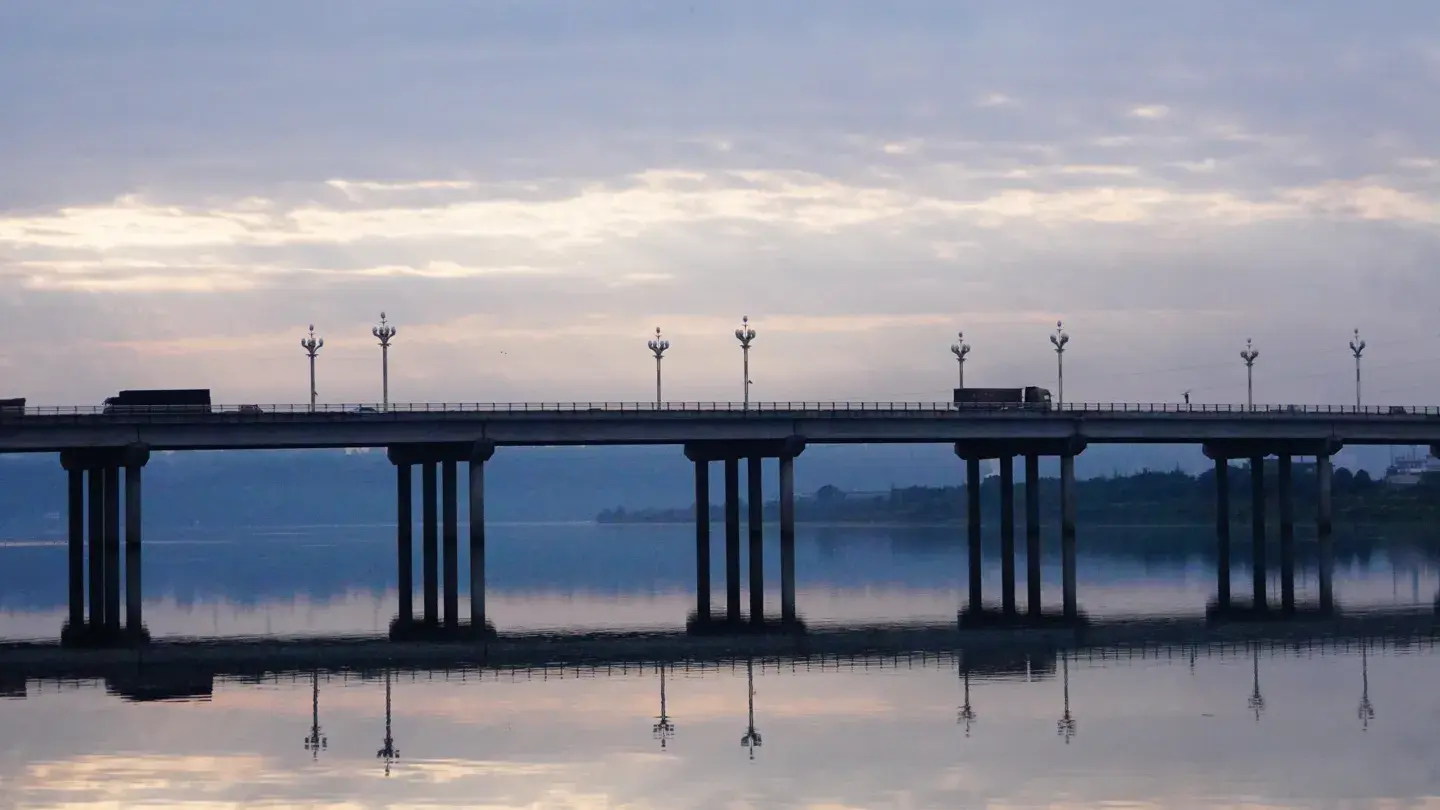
<point>530,188</point>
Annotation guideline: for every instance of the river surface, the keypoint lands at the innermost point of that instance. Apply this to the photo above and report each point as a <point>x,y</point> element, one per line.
<point>1346,723</point>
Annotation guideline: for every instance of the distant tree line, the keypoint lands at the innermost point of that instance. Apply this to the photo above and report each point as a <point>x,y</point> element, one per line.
<point>1145,497</point>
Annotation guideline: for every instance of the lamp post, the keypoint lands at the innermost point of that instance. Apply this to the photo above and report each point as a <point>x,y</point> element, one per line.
<point>1366,710</point>
<point>1248,354</point>
<point>658,346</point>
<point>312,345</point>
<point>664,729</point>
<point>751,740</point>
<point>1059,339</point>
<point>1257,700</point>
<point>1065,727</point>
<point>388,751</point>
<point>966,715</point>
<point>316,741</point>
<point>1357,347</point>
<point>745,334</point>
<point>960,348</point>
<point>384,333</point>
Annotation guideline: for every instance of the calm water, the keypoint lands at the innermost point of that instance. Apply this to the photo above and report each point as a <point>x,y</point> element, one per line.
<point>1341,723</point>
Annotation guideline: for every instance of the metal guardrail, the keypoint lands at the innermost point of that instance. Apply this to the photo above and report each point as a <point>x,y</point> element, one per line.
<point>809,408</point>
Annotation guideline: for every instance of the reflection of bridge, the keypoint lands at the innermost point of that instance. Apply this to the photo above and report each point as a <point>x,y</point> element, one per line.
<point>175,668</point>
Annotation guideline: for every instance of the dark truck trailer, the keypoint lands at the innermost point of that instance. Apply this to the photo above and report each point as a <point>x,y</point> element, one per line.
<point>1030,396</point>
<point>161,400</point>
<point>15,406</point>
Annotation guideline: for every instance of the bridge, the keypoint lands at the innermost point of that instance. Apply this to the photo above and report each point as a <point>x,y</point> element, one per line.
<point>95,446</point>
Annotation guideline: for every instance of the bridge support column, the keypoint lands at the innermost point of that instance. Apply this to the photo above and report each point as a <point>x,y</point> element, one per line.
<point>429,543</point>
<point>112,549</point>
<point>135,459</point>
<point>75,512</point>
<point>1222,532</point>
<point>702,540</point>
<point>732,540</point>
<point>1032,534</point>
<point>96,502</point>
<point>405,542</point>
<point>1007,534</point>
<point>1067,535</point>
<point>972,520</point>
<point>480,453</point>
<point>756,525</point>
<point>1257,530</point>
<point>1324,470</point>
<point>787,539</point>
<point>1283,481</point>
<point>450,541</point>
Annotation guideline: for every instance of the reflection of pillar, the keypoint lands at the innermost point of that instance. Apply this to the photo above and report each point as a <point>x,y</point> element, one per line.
<point>1032,533</point>
<point>133,621</point>
<point>96,501</point>
<point>479,454</point>
<point>1007,534</point>
<point>404,542</point>
<point>1257,529</point>
<point>732,539</point>
<point>76,568</point>
<point>450,523</point>
<point>1287,532</point>
<point>1222,531</point>
<point>972,519</point>
<point>787,538</point>
<point>1324,467</point>
<point>756,522</point>
<point>1067,534</point>
<point>112,547</point>
<point>429,542</point>
<point>702,539</point>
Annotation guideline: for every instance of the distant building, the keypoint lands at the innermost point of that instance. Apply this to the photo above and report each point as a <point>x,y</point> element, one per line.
<point>1406,471</point>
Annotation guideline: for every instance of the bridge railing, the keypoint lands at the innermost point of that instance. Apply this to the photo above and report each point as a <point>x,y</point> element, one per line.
<point>377,411</point>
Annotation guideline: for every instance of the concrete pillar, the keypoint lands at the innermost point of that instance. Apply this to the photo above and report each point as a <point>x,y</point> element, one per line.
<point>702,540</point>
<point>429,542</point>
<point>1067,535</point>
<point>96,501</point>
<point>479,455</point>
<point>787,539</point>
<point>732,539</point>
<point>405,542</point>
<point>112,547</point>
<point>76,515</point>
<point>972,520</point>
<point>1032,533</point>
<point>450,535</point>
<point>1287,532</point>
<point>756,523</point>
<point>134,622</point>
<point>1324,469</point>
<point>1257,529</point>
<point>1222,532</point>
<point>1007,534</point>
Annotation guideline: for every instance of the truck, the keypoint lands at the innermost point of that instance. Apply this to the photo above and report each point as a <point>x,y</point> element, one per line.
<point>1031,397</point>
<point>160,400</point>
<point>15,406</point>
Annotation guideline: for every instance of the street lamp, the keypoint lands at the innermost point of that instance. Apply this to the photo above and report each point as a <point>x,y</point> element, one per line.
<point>1065,727</point>
<point>1357,346</point>
<point>312,345</point>
<point>751,740</point>
<point>665,729</point>
<point>388,751</point>
<point>1059,339</point>
<point>1248,354</point>
<point>316,741</point>
<point>384,332</point>
<point>658,346</point>
<point>960,348</point>
<point>745,334</point>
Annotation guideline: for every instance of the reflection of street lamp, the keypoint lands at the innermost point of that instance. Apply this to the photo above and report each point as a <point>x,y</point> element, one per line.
<point>312,345</point>
<point>960,348</point>
<point>967,713</point>
<point>1357,346</point>
<point>664,729</point>
<point>384,332</point>
<point>1257,700</point>
<point>1058,340</point>
<point>1248,354</point>
<point>751,740</point>
<point>1066,727</point>
<point>388,752</point>
<point>1366,712</point>
<point>658,346</point>
<point>745,334</point>
<point>316,741</point>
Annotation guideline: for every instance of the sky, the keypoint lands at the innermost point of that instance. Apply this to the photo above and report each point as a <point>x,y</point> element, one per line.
<point>528,189</point>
